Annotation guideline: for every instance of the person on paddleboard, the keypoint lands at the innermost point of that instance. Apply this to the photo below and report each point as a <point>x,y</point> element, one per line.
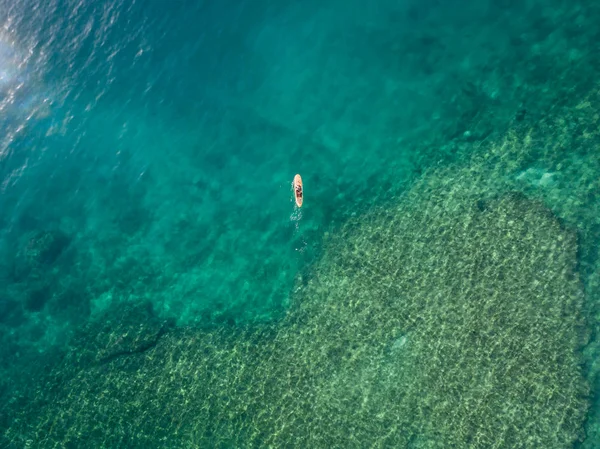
<point>298,192</point>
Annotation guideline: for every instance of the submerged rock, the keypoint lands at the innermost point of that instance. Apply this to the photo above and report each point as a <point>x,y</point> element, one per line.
<point>38,252</point>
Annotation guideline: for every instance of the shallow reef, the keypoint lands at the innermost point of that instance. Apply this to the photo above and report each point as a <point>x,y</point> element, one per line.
<point>451,318</point>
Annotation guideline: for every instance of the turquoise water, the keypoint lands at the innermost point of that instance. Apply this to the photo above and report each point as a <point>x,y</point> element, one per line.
<point>147,155</point>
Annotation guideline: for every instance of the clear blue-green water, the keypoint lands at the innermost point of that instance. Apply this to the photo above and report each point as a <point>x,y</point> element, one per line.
<point>146,158</point>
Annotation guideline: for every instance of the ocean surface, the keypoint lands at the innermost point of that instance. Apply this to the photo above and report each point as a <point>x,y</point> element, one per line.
<point>439,287</point>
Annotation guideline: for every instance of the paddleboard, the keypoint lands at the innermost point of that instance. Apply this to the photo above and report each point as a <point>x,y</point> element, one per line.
<point>298,193</point>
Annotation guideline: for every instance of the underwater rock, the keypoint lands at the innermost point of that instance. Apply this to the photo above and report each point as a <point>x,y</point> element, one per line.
<point>37,253</point>
<point>44,247</point>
